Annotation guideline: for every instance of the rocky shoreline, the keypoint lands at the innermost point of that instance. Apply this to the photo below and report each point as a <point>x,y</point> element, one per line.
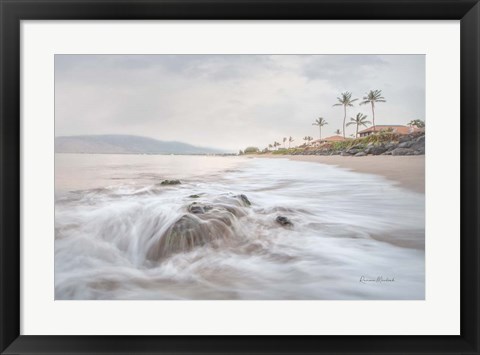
<point>411,144</point>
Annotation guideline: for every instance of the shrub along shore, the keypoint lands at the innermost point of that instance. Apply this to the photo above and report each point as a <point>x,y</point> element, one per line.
<point>383,143</point>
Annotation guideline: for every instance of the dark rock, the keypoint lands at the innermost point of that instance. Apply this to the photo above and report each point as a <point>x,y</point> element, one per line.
<point>420,140</point>
<point>377,150</point>
<point>419,144</point>
<point>353,151</point>
<point>360,154</point>
<point>345,154</point>
<point>170,182</point>
<point>284,221</point>
<point>406,144</point>
<point>191,231</point>
<point>194,196</point>
<point>195,209</point>
<point>245,200</point>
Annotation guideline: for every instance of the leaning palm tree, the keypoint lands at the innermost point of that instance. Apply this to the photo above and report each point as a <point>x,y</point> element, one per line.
<point>345,100</point>
<point>290,140</point>
<point>270,146</point>
<point>276,144</point>
<point>359,120</point>
<point>284,140</point>
<point>372,97</point>
<point>320,122</point>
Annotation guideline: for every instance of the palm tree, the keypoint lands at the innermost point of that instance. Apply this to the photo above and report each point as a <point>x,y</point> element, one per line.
<point>337,131</point>
<point>284,140</point>
<point>290,140</point>
<point>270,146</point>
<point>372,97</point>
<point>345,100</point>
<point>359,120</point>
<point>276,144</point>
<point>309,139</point>
<point>320,122</point>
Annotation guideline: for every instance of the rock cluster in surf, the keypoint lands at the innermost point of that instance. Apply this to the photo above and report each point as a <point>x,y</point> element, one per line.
<point>170,182</point>
<point>201,223</point>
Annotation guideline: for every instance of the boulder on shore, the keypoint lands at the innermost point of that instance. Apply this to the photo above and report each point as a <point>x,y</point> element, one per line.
<point>377,150</point>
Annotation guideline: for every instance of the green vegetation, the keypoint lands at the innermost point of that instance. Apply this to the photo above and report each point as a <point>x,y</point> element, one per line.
<point>251,150</point>
<point>372,97</point>
<point>375,139</point>
<point>288,151</point>
<point>417,123</point>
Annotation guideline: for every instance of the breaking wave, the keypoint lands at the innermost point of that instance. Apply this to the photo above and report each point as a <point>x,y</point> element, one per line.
<point>258,229</point>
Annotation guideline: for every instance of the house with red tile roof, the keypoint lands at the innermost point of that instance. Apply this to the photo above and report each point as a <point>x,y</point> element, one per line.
<point>398,129</point>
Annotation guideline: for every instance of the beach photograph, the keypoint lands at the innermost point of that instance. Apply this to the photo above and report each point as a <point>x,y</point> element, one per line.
<point>240,177</point>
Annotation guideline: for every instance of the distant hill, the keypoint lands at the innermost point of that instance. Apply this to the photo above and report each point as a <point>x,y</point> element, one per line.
<point>110,144</point>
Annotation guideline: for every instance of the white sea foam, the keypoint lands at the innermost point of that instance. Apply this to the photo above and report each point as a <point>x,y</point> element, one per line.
<point>111,211</point>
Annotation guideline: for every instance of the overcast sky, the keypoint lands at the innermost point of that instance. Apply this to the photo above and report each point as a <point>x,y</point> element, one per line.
<point>229,101</point>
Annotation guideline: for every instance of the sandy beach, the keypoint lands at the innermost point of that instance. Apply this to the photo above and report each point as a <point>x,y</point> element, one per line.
<point>408,171</point>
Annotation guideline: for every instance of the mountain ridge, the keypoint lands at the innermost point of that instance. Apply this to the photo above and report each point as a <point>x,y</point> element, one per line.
<point>126,144</point>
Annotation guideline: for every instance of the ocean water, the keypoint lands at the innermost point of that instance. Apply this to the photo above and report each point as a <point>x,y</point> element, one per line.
<point>121,234</point>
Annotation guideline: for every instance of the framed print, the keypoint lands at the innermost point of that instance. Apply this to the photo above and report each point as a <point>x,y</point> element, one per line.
<point>249,177</point>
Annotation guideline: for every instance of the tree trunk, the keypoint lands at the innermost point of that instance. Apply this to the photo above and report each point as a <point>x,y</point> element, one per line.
<point>344,118</point>
<point>373,116</point>
<point>356,136</point>
<point>320,132</point>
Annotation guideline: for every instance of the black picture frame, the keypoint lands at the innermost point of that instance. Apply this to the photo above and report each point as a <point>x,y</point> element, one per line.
<point>13,11</point>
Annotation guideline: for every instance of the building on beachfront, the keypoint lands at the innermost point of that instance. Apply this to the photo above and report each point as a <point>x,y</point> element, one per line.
<point>330,139</point>
<point>398,129</point>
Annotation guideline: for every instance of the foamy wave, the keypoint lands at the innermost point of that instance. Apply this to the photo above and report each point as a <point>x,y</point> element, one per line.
<point>219,238</point>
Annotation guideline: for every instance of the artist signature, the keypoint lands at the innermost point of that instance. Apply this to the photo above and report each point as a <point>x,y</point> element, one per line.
<point>378,279</point>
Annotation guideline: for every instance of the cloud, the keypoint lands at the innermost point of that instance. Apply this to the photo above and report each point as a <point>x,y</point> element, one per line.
<point>228,101</point>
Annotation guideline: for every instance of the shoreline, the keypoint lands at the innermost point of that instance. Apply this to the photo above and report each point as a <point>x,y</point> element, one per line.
<point>406,171</point>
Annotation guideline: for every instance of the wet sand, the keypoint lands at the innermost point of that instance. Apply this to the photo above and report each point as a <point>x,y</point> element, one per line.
<point>407,171</point>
